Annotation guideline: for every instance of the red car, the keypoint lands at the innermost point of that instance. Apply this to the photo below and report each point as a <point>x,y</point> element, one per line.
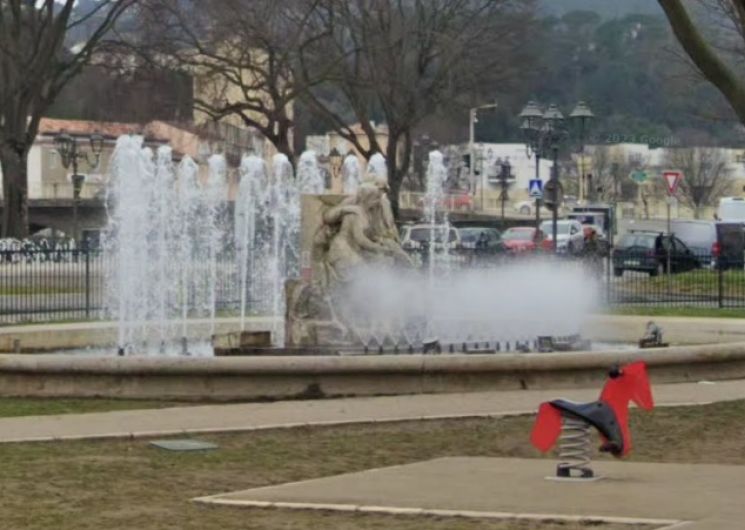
<point>520,239</point>
<point>461,201</point>
<point>453,201</point>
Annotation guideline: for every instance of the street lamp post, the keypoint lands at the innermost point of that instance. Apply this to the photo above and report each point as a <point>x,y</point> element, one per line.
<point>554,119</point>
<point>544,131</point>
<point>531,124</point>
<point>505,179</point>
<point>472,119</point>
<point>582,115</point>
<point>70,153</point>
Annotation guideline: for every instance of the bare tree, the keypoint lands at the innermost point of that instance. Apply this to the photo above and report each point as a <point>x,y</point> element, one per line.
<point>35,65</point>
<point>718,55</point>
<point>241,54</point>
<point>398,61</point>
<point>707,176</point>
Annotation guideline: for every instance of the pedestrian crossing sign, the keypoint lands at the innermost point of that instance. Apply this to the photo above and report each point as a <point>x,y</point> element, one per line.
<point>535,189</point>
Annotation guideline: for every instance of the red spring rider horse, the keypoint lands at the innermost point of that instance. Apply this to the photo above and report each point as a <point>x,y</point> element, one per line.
<point>570,423</point>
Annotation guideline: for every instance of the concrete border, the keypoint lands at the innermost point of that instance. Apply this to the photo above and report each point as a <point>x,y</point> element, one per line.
<point>257,378</point>
<point>667,524</point>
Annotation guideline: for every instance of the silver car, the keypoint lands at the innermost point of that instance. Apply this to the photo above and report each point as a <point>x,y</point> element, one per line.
<point>570,238</point>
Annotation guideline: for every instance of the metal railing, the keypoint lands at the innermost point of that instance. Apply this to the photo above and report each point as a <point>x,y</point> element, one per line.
<point>67,284</point>
<point>660,279</point>
<point>51,284</point>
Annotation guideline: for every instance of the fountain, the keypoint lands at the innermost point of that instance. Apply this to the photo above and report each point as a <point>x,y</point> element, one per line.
<point>351,174</point>
<point>173,258</point>
<point>162,245</point>
<point>377,167</point>
<point>439,228</point>
<point>309,178</point>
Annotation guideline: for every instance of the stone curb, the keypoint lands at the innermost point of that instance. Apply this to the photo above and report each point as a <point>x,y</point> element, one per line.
<point>392,510</point>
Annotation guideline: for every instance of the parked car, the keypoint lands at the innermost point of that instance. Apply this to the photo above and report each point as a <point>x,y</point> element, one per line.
<point>570,238</point>
<point>414,237</point>
<point>520,239</point>
<point>481,238</point>
<point>528,208</point>
<point>715,244</point>
<point>648,252</point>
<point>461,201</point>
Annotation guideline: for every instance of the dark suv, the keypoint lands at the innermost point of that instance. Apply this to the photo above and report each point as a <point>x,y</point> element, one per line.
<point>648,252</point>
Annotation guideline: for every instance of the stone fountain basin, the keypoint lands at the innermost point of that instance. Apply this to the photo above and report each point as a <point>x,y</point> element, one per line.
<point>275,378</point>
<point>702,349</point>
<point>598,328</point>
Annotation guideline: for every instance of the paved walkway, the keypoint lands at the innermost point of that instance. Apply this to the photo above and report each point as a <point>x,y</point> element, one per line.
<point>254,416</point>
<point>662,495</point>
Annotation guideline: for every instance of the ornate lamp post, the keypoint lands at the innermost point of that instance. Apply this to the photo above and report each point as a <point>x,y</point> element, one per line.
<point>554,121</point>
<point>531,124</point>
<point>70,154</point>
<point>544,132</point>
<point>582,116</point>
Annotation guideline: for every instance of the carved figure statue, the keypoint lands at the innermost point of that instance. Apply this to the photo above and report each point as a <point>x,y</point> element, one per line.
<point>357,232</point>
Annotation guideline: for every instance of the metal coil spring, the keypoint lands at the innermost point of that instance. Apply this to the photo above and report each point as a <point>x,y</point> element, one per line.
<point>574,449</point>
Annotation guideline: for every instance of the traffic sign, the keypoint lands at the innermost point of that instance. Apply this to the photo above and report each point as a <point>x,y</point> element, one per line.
<point>672,179</point>
<point>535,188</point>
<point>639,176</point>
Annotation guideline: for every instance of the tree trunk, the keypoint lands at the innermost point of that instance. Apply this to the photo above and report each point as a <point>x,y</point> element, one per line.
<point>282,140</point>
<point>705,56</point>
<point>397,168</point>
<point>14,164</point>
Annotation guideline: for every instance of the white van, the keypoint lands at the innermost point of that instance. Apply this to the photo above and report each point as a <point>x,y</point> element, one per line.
<point>731,209</point>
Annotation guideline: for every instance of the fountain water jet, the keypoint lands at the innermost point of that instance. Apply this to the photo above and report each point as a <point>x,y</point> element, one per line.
<point>378,168</point>
<point>252,192</point>
<point>309,178</point>
<point>439,228</point>
<point>162,236</point>
<point>351,174</point>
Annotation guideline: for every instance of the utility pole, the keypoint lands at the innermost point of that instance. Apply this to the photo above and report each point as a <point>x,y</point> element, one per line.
<point>472,119</point>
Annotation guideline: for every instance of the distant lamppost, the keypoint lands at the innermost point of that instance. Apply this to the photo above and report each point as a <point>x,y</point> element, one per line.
<point>554,120</point>
<point>70,153</point>
<point>472,119</point>
<point>335,161</point>
<point>505,178</point>
<point>478,164</point>
<point>582,116</point>
<point>531,124</point>
<point>544,132</point>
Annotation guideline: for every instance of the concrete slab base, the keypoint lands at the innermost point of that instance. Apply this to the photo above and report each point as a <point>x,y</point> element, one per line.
<point>662,495</point>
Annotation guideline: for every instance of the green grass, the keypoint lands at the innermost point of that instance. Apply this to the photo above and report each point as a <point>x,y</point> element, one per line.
<point>14,407</point>
<point>125,484</point>
<point>696,282</point>
<point>653,311</point>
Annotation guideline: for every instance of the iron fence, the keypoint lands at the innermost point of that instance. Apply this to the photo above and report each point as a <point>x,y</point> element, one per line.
<point>669,280</point>
<point>50,284</point>
<point>61,284</point>
<point>68,284</point>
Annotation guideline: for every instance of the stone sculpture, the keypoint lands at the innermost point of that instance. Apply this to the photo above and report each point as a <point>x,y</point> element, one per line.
<point>355,233</point>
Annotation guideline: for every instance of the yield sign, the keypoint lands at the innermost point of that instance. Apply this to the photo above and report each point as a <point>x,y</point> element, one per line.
<point>672,179</point>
